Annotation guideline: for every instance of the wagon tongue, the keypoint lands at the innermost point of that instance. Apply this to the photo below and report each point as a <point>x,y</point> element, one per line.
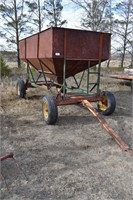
<point>105,125</point>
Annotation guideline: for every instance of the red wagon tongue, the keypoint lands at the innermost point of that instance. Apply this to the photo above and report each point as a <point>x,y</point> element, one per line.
<point>105,125</point>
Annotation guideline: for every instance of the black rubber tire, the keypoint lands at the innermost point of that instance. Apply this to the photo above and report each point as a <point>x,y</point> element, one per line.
<point>21,89</point>
<point>111,104</point>
<point>49,110</point>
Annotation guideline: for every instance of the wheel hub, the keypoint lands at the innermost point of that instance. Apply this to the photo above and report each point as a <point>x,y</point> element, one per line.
<point>45,110</point>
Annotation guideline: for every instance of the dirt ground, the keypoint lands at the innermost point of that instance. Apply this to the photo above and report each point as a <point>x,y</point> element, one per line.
<point>75,159</point>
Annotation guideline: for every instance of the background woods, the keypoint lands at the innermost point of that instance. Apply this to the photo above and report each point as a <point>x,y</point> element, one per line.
<point>23,18</point>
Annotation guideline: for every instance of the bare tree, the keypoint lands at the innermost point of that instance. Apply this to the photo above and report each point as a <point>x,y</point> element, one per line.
<point>13,22</point>
<point>53,10</point>
<point>37,13</point>
<point>96,14</point>
<point>123,28</point>
<point>110,29</point>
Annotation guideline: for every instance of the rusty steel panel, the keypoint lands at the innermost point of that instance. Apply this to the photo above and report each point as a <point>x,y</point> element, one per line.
<point>58,43</point>
<point>45,44</point>
<point>80,45</point>
<point>54,45</point>
<point>66,43</point>
<point>22,49</point>
<point>32,47</point>
<point>73,67</point>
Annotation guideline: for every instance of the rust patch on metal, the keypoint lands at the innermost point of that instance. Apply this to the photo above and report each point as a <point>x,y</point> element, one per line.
<point>54,45</point>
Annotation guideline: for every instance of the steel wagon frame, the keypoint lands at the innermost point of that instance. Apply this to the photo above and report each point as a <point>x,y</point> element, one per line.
<point>59,54</point>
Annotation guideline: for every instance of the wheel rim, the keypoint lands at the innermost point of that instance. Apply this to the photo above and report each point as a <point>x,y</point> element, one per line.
<point>45,110</point>
<point>103,104</point>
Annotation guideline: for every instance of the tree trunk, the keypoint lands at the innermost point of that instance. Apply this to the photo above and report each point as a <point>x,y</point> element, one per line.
<point>108,63</point>
<point>17,34</point>
<point>132,56</point>
<point>122,60</point>
<point>125,37</point>
<point>39,13</point>
<point>54,12</point>
<point>110,11</point>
